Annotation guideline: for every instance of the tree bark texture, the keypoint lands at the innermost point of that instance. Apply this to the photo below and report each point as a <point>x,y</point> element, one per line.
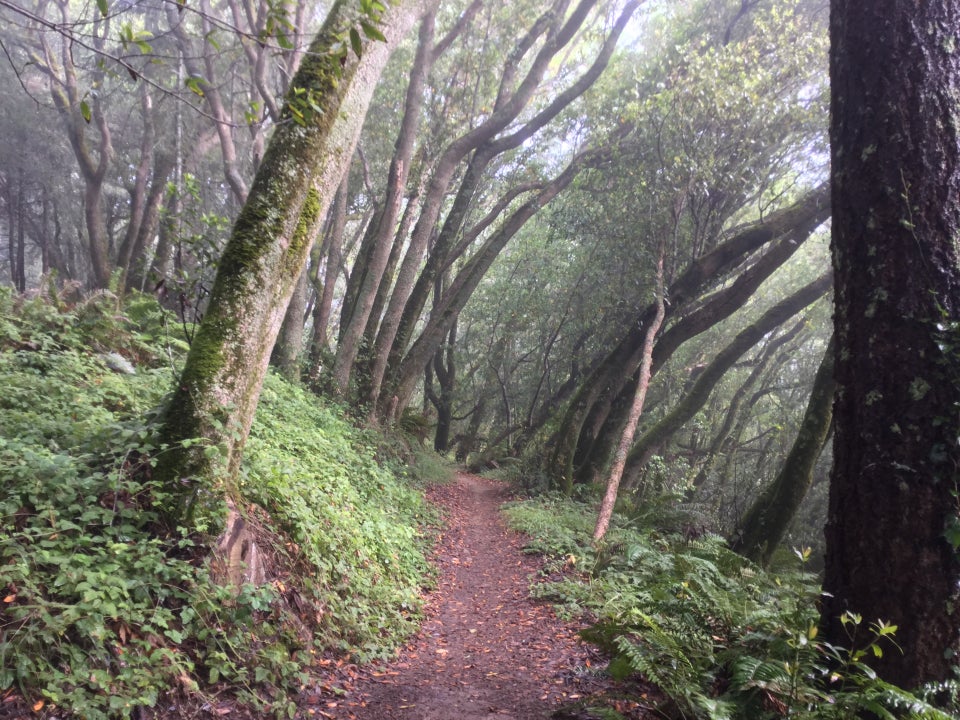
<point>892,530</point>
<point>765,523</point>
<point>218,391</point>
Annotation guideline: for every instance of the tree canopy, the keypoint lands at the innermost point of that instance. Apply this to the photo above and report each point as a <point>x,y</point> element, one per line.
<point>583,244</point>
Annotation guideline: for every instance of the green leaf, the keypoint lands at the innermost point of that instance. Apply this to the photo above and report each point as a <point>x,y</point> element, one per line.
<point>952,532</point>
<point>211,39</point>
<point>85,110</point>
<point>193,83</point>
<point>879,710</point>
<point>355,42</point>
<point>372,32</point>
<point>284,41</point>
<point>102,7</point>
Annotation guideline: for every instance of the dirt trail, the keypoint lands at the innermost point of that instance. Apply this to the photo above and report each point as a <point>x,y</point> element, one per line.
<point>486,650</point>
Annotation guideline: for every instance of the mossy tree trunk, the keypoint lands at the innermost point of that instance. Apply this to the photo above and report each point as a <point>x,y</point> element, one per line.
<point>765,523</point>
<point>893,531</point>
<point>217,394</point>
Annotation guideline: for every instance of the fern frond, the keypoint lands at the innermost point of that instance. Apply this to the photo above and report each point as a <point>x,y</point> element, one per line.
<point>712,708</point>
<point>886,700</point>
<point>751,672</point>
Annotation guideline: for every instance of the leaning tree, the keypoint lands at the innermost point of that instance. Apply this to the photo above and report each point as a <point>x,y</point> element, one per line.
<point>218,391</point>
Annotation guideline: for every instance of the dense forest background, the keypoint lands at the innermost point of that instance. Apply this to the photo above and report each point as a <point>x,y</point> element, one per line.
<point>482,271</point>
<point>585,245</point>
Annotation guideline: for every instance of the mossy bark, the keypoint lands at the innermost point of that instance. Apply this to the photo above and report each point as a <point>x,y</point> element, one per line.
<point>765,523</point>
<point>217,394</point>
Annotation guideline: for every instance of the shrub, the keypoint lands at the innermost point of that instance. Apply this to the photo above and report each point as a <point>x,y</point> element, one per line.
<point>102,612</point>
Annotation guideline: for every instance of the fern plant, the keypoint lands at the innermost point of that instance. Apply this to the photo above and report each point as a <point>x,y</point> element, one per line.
<point>721,637</point>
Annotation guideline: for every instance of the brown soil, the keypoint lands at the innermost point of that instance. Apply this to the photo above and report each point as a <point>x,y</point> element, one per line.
<point>486,649</point>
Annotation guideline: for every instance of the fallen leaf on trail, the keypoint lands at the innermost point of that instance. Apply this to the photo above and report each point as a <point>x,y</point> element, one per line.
<point>513,649</point>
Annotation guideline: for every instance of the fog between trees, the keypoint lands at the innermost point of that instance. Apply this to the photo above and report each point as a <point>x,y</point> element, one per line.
<point>463,223</point>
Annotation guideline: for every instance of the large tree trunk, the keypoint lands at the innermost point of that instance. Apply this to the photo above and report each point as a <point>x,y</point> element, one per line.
<point>765,523</point>
<point>218,391</point>
<point>376,247</point>
<point>893,527</point>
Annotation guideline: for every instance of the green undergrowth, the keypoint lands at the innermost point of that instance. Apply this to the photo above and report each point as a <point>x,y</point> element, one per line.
<point>722,638</point>
<point>103,611</point>
<point>347,517</point>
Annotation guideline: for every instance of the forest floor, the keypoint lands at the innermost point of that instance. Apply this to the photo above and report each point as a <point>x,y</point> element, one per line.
<point>486,649</point>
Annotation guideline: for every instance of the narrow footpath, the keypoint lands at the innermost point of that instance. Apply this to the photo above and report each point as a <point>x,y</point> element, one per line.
<point>485,650</point>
